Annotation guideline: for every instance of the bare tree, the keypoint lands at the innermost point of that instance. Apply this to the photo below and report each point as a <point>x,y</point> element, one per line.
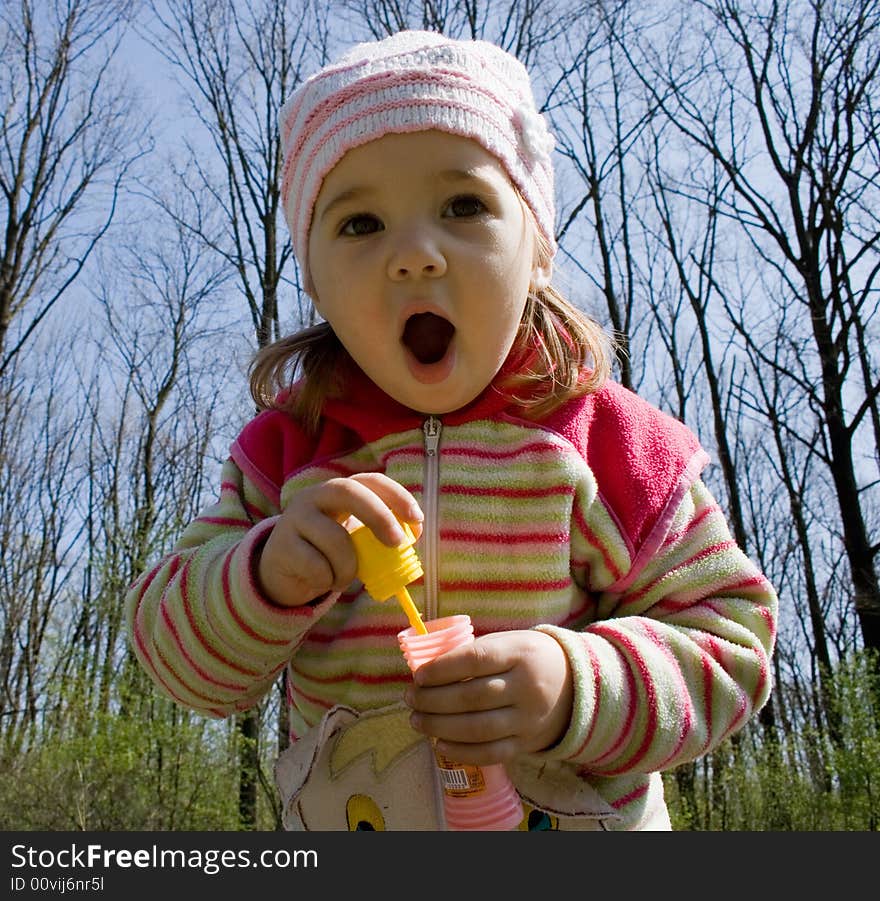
<point>599,119</point>
<point>149,387</point>
<point>238,63</point>
<point>522,27</point>
<point>798,145</point>
<point>157,369</point>
<point>40,534</point>
<point>67,142</point>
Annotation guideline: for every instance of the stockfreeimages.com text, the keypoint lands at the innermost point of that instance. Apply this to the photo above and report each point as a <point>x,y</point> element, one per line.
<point>210,861</point>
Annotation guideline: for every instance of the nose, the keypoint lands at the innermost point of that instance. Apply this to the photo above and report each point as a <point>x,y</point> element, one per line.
<point>416,254</point>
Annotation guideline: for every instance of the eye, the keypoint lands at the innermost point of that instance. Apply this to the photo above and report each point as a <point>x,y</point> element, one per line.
<point>360,224</point>
<point>464,206</point>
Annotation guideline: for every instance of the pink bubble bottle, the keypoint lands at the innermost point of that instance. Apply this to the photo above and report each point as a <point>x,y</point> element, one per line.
<point>474,797</point>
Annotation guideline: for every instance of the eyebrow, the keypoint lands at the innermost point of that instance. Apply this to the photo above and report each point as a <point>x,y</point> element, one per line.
<point>476,173</point>
<point>343,197</point>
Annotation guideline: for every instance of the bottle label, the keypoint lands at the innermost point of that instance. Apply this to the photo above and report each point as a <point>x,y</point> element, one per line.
<point>460,779</point>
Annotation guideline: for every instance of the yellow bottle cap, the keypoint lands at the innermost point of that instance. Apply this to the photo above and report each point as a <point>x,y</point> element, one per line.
<point>386,571</point>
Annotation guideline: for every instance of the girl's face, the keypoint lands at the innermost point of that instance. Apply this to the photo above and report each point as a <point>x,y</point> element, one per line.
<point>420,259</point>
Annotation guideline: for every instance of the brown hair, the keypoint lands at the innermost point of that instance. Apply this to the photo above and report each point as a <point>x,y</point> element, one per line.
<point>573,356</point>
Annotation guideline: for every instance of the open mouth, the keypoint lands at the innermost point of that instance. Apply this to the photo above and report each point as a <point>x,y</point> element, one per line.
<point>428,336</point>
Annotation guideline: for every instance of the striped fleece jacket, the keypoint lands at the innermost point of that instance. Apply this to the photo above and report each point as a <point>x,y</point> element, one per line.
<point>593,525</point>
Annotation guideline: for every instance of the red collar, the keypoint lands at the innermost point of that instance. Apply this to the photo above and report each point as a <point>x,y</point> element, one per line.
<point>371,413</point>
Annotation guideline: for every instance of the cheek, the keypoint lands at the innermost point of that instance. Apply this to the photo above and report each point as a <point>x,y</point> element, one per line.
<point>327,287</point>
<point>324,276</point>
<point>506,264</point>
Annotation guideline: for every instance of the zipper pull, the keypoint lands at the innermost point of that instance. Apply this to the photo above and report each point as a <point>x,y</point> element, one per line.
<point>431,428</point>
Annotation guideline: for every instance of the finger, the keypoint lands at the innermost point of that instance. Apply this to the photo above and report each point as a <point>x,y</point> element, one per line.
<point>467,728</point>
<point>291,570</point>
<point>398,499</point>
<point>480,694</point>
<point>356,496</point>
<point>488,655</point>
<point>324,539</point>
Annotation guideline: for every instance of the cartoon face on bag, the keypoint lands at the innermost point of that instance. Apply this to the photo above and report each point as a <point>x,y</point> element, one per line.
<point>421,255</point>
<point>369,771</point>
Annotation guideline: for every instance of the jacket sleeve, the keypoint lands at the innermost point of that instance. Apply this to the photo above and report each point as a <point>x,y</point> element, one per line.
<point>197,620</point>
<point>677,656</point>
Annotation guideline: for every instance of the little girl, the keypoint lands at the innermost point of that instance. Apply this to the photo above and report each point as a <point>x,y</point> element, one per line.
<point>620,630</point>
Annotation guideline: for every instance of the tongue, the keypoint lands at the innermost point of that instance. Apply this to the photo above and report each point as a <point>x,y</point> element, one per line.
<point>427,336</point>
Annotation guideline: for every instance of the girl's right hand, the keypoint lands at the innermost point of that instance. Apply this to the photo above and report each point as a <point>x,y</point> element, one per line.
<point>309,552</point>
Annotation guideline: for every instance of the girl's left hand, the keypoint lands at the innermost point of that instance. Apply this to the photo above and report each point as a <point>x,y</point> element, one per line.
<point>505,694</point>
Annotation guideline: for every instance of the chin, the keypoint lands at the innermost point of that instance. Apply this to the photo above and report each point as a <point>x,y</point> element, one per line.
<point>436,403</point>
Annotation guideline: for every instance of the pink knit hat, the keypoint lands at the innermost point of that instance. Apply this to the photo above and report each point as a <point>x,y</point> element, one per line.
<point>414,81</point>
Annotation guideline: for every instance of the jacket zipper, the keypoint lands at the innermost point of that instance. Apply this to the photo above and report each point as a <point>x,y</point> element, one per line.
<point>431,498</point>
<point>430,541</point>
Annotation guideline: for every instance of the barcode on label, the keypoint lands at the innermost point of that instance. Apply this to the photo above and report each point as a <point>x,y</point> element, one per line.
<point>454,778</point>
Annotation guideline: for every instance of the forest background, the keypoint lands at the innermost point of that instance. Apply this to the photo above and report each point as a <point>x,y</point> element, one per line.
<point>718,208</point>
